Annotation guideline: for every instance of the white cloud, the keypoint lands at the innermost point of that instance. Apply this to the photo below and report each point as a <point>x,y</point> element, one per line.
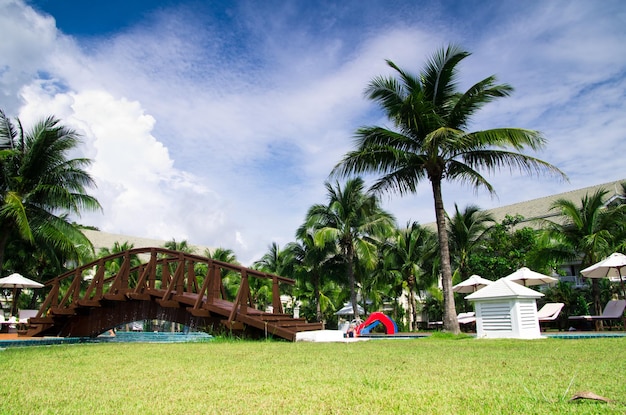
<point>196,135</point>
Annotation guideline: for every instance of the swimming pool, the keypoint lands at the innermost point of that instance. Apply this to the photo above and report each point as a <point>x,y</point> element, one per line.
<point>120,337</point>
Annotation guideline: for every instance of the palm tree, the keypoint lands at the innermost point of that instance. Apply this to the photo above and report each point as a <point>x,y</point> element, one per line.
<point>466,230</point>
<point>351,219</point>
<point>585,234</point>
<point>410,254</point>
<point>430,142</point>
<point>275,261</point>
<point>230,279</point>
<point>313,262</point>
<point>114,266</point>
<point>40,186</point>
<point>182,246</point>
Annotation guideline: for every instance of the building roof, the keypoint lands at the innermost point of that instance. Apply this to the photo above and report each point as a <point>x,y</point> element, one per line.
<point>107,240</point>
<point>540,208</point>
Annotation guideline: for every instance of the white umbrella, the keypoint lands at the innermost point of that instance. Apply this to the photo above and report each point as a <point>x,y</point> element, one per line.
<point>610,267</point>
<point>526,277</point>
<point>16,281</point>
<point>347,310</point>
<point>472,284</point>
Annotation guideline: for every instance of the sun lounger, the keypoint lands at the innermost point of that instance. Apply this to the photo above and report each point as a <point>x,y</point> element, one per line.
<point>24,315</point>
<point>7,325</point>
<point>467,318</point>
<point>4,325</point>
<point>463,318</point>
<point>549,312</point>
<point>614,310</point>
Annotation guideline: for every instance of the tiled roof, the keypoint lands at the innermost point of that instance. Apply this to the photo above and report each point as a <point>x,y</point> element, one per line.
<point>107,240</point>
<point>540,208</point>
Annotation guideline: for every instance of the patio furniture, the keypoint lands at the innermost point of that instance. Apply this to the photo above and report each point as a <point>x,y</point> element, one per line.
<point>614,310</point>
<point>25,314</point>
<point>463,318</point>
<point>7,326</point>
<point>467,318</point>
<point>4,324</point>
<point>549,312</point>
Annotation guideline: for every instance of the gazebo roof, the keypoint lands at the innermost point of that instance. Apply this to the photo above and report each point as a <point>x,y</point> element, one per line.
<point>504,289</point>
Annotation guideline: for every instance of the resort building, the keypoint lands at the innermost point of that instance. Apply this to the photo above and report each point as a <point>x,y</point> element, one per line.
<point>534,210</point>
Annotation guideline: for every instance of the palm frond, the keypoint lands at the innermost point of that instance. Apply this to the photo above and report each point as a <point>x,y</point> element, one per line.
<point>439,75</point>
<point>8,134</point>
<point>468,103</point>
<point>495,160</point>
<point>463,173</point>
<point>516,138</point>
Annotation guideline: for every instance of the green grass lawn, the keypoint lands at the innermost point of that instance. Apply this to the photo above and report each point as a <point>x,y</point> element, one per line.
<point>420,376</point>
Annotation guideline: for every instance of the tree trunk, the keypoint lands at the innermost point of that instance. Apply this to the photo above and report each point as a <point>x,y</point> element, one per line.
<point>316,294</point>
<point>352,282</point>
<point>450,321</point>
<point>5,231</point>
<point>412,313</point>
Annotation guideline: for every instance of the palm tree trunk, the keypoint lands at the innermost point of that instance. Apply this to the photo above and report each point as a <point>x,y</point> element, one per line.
<point>316,294</point>
<point>5,231</point>
<point>352,282</point>
<point>450,322</point>
<point>412,314</point>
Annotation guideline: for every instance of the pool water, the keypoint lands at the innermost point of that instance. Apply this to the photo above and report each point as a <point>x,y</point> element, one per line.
<point>120,337</point>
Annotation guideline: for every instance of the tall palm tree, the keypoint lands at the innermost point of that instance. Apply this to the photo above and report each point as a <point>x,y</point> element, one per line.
<point>115,265</point>
<point>466,229</point>
<point>410,254</point>
<point>231,280</point>
<point>40,186</point>
<point>313,261</point>
<point>182,246</point>
<point>430,142</point>
<point>275,261</point>
<point>586,232</point>
<point>351,219</point>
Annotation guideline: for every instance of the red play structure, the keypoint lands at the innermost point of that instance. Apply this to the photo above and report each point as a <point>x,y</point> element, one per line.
<point>375,319</point>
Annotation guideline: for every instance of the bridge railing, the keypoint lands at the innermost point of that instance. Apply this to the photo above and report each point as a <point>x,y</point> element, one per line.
<point>140,281</point>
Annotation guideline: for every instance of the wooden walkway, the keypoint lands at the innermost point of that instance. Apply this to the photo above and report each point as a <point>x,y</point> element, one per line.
<point>167,287</point>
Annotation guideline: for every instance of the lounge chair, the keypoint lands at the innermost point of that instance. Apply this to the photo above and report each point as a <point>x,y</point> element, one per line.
<point>7,325</point>
<point>463,318</point>
<point>24,316</point>
<point>4,325</point>
<point>549,312</point>
<point>467,318</point>
<point>614,310</point>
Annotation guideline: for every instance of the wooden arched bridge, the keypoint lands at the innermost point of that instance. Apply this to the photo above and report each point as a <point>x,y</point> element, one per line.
<point>166,287</point>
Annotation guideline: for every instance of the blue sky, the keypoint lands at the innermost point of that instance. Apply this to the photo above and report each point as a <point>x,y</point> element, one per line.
<point>218,122</point>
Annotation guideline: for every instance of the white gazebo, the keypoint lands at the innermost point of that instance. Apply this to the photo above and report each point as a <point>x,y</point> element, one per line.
<point>506,309</point>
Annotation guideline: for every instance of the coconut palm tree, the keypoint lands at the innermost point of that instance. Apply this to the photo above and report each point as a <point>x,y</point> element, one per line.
<point>351,219</point>
<point>182,246</point>
<point>430,142</point>
<point>231,280</point>
<point>585,234</point>
<point>466,230</point>
<point>114,266</point>
<point>40,186</point>
<point>275,261</point>
<point>411,255</point>
<point>313,263</point>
